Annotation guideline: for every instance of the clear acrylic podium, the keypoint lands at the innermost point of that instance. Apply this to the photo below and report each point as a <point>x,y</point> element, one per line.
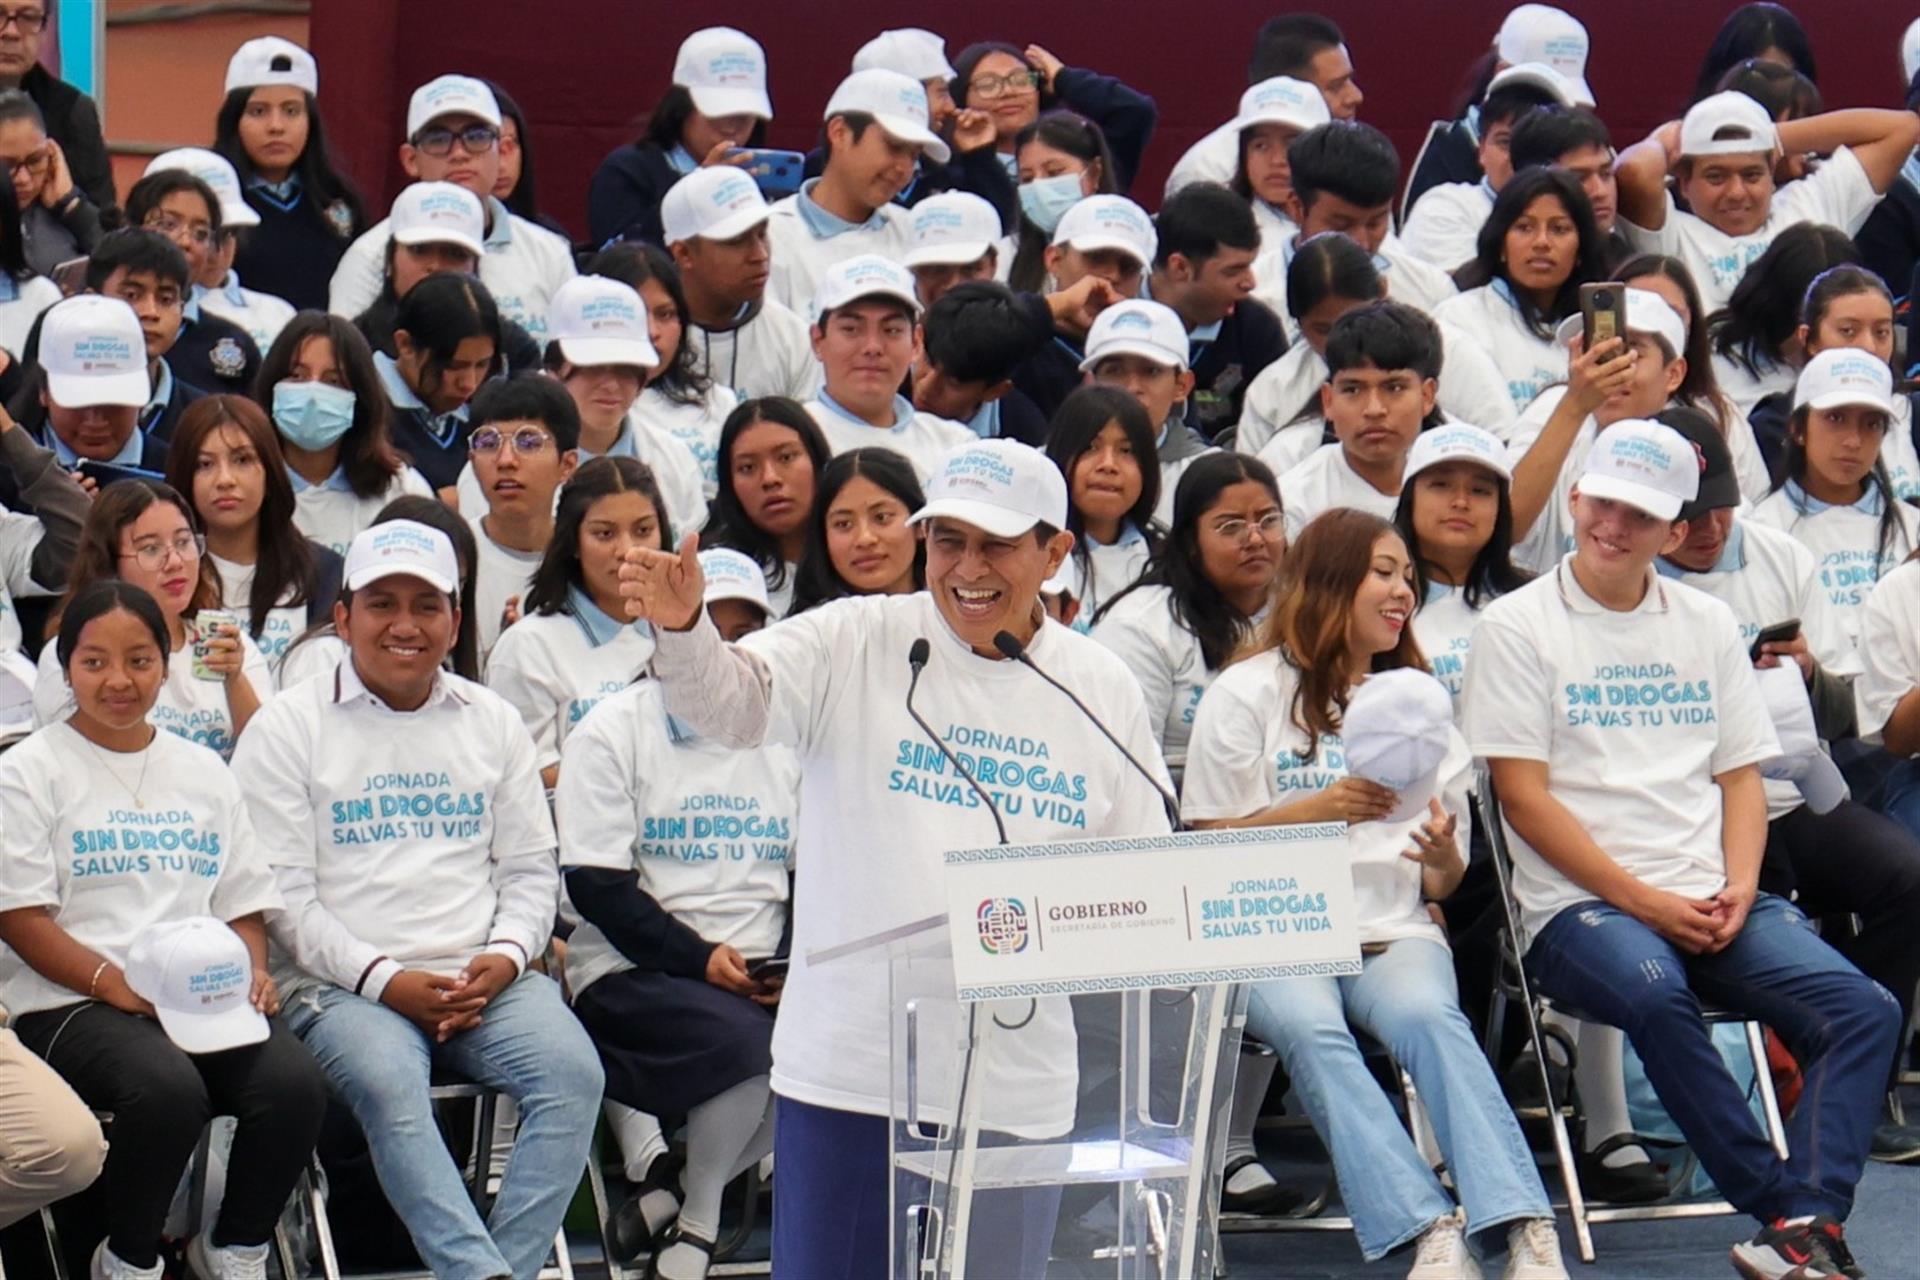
<point>1104,1110</point>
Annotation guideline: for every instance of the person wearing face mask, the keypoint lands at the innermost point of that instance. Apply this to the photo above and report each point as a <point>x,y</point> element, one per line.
<point>1062,159</point>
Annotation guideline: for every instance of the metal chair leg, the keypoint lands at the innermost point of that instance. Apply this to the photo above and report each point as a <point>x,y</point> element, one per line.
<point>322,1228</point>
<point>602,1207</point>
<point>1763,1078</point>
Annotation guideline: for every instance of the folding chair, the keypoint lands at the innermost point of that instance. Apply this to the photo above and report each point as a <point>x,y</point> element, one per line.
<point>723,1249</point>
<point>1513,984</point>
<point>51,1235</point>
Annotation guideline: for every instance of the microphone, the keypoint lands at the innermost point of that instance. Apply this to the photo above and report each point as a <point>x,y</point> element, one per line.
<point>917,657</point>
<point>1010,647</point>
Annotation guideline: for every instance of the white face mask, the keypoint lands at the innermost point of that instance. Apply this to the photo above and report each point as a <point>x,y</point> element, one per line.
<point>1045,201</point>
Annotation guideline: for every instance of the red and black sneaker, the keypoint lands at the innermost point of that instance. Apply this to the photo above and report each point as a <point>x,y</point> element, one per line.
<point>1783,1251</point>
<point>1827,1225</point>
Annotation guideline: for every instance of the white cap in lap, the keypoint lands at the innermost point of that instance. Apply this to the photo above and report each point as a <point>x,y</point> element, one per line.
<point>1802,760</point>
<point>1459,442</point>
<point>725,72</point>
<point>1000,486</point>
<point>897,103</point>
<point>438,213</point>
<point>1553,37</point>
<point>198,975</point>
<point>451,96</point>
<point>1744,122</point>
<point>94,353</point>
<point>399,548</point>
<point>1843,376</point>
<point>1138,327</point>
<point>270,60</point>
<point>1643,464</point>
<point>909,50</point>
<point>214,170</point>
<point>598,321</point>
<point>731,575</point>
<point>953,229</point>
<point>714,202</point>
<point>1108,222</point>
<point>1395,730</point>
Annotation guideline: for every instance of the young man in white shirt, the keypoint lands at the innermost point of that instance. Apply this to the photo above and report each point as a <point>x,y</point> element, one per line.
<point>866,335</point>
<point>879,806</point>
<point>1722,159</point>
<point>715,222</point>
<point>876,131</point>
<point>1140,347</point>
<point>523,447</point>
<point>1621,719</point>
<point>453,135</point>
<point>403,814</point>
<point>952,238</point>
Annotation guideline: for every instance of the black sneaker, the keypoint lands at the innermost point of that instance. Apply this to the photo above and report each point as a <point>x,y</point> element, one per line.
<point>1836,1236</point>
<point>1783,1252</point>
<point>1895,1143</point>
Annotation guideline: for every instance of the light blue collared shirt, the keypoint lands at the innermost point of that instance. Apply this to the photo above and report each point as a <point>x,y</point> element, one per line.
<point>443,425</point>
<point>902,412</point>
<point>337,481</point>
<point>599,625</point>
<point>129,455</point>
<point>499,226</point>
<point>825,225</point>
<point>162,392</point>
<point>1869,503</point>
<point>1206,333</point>
<point>986,422</point>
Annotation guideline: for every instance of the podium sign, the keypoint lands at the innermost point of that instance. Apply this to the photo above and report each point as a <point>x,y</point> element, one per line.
<point>1075,917</point>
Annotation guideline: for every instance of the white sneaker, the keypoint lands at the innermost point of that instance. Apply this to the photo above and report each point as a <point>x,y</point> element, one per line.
<point>108,1265</point>
<point>235,1262</point>
<point>1533,1251</point>
<point>1442,1253</point>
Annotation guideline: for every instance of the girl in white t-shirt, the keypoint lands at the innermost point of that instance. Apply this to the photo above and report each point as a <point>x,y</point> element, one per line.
<point>1103,443</point>
<point>771,455</point>
<point>1850,306</point>
<point>858,540</point>
<point>143,532</point>
<point>1539,245</point>
<point>225,455</point>
<point>1266,750</point>
<point>113,830</point>
<point>331,413</point>
<point>573,644</point>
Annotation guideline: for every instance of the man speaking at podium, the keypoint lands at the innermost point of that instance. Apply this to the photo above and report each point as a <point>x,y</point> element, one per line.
<point>881,804</point>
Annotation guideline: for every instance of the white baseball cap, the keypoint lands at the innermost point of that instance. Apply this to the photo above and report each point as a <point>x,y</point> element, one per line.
<point>1108,222</point>
<point>271,60</point>
<point>198,975</point>
<point>94,353</point>
<point>1459,442</point>
<point>598,321</point>
<point>1000,486</point>
<point>733,576</point>
<point>398,547</point>
<point>1643,464</point>
<point>898,103</point>
<point>451,96</point>
<point>1540,76</point>
<point>214,170</point>
<point>1910,50</point>
<point>866,276</point>
<point>1734,112</point>
<point>714,202</point>
<point>1396,730</point>
<point>953,228</point>
<point>1647,312</point>
<point>1282,100</point>
<point>909,50</point>
<point>1803,761</point>
<point>1553,37</point>
<point>439,213</point>
<point>725,72</point>
<point>1844,375</point>
<point>1138,327</point>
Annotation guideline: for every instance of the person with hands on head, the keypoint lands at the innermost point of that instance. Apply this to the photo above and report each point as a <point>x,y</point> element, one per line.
<point>1099,255</point>
<point>665,966</point>
<point>1013,86</point>
<point>73,121</point>
<point>1637,835</point>
<point>114,972</point>
<point>57,221</point>
<point>390,774</point>
<point>1295,732</point>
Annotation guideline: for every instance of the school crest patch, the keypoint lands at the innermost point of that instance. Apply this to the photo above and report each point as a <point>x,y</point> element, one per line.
<point>340,218</point>
<point>227,359</point>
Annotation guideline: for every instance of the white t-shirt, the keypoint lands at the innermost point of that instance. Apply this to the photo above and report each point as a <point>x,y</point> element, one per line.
<point>924,438</point>
<point>1165,658</point>
<point>879,807</point>
<point>501,573</point>
<point>1897,451</point>
<point>671,462</point>
<point>1409,279</point>
<point>523,267</point>
<point>72,838</point>
<point>1276,229</point>
<point>315,657</point>
<point>1634,714</point>
<point>710,831</point>
<point>1106,570</point>
<point>1326,480</point>
<point>1247,754</point>
<point>261,315</point>
<point>554,668</point>
<point>195,709</point>
<point>333,515</point>
<point>1838,193</point>
<point>1444,226</point>
<point>696,425</point>
<point>17,314</point>
<point>1212,159</point>
<point>1845,542</point>
<point>1889,650</point>
<point>20,536</point>
<point>1444,626</point>
<point>1746,388</point>
<point>801,258</point>
<point>1528,363</point>
<point>284,622</point>
<point>770,355</point>
<point>400,839</point>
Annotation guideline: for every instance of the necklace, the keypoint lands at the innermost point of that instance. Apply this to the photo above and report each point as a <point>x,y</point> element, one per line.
<point>146,756</point>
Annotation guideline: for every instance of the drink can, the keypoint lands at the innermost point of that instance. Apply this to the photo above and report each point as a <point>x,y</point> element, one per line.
<point>204,624</point>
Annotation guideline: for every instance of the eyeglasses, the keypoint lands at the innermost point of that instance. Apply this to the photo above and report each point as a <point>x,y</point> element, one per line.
<point>33,163</point>
<point>170,226</point>
<point>991,86</point>
<point>30,21</point>
<point>1271,528</point>
<point>188,546</point>
<point>474,139</point>
<point>527,440</point>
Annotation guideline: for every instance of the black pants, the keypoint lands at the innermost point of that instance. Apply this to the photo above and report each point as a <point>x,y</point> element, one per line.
<point>162,1097</point>
<point>1855,860</point>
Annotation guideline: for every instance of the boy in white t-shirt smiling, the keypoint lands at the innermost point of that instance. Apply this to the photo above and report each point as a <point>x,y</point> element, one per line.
<point>1624,728</point>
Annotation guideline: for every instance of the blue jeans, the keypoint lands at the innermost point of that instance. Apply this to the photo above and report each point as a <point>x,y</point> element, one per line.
<point>1840,1024</point>
<point>1900,798</point>
<point>530,1047</point>
<point>1404,998</point>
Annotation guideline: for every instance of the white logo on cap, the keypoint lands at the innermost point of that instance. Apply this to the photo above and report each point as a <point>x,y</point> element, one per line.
<point>734,67</point>
<point>102,349</point>
<point>1636,453</point>
<point>218,983</point>
<point>445,206</point>
<point>394,539</point>
<point>1862,366</point>
<point>930,218</point>
<point>1132,320</point>
<point>737,190</point>
<point>977,469</point>
<point>609,312</point>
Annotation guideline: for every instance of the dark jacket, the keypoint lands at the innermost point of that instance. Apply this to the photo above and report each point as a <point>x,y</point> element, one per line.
<point>293,252</point>
<point>51,237</point>
<point>1021,419</point>
<point>1051,369</point>
<point>1251,338</point>
<point>216,354</point>
<point>1124,114</point>
<point>159,426</point>
<point>1450,153</point>
<point>1890,239</point>
<point>623,200</point>
<point>74,122</point>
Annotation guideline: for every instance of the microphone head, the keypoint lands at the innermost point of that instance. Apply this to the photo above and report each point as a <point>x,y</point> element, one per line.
<point>917,655</point>
<point>1009,645</point>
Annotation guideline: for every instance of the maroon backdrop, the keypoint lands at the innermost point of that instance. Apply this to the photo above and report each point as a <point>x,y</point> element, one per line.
<point>585,71</point>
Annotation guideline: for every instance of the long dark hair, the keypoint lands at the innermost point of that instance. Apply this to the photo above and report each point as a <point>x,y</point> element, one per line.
<point>1076,424</point>
<point>1493,572</point>
<point>1763,312</point>
<point>524,200</point>
<point>1488,265</point>
<point>283,572</point>
<point>559,569</point>
<point>1749,31</point>
<point>1700,389</point>
<point>633,263</point>
<point>103,597</point>
<point>669,118</point>
<point>321,180</point>
<point>13,243</point>
<point>98,554</point>
<point>1793,467</point>
<point>1329,265</point>
<point>1077,136</point>
<point>1192,598</point>
<point>727,522</point>
<point>440,313</point>
<point>367,456</point>
<point>818,581</point>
